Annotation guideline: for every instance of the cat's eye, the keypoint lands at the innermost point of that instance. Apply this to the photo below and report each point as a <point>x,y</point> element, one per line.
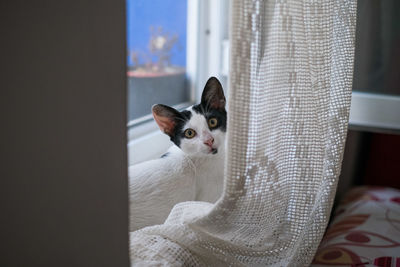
<point>190,133</point>
<point>212,123</point>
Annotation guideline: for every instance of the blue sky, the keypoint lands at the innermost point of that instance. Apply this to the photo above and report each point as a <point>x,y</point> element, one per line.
<point>169,14</point>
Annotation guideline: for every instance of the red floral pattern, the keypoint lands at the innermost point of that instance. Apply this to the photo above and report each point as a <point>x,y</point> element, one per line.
<point>365,230</point>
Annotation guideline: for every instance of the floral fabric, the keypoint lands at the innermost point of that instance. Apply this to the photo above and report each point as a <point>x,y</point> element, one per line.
<point>365,230</point>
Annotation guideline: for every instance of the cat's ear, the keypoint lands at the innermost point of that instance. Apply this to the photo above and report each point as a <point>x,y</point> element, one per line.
<point>165,117</point>
<point>213,94</point>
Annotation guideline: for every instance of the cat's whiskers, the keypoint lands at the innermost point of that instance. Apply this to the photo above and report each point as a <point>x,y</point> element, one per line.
<point>180,119</point>
<point>206,110</point>
<point>208,107</point>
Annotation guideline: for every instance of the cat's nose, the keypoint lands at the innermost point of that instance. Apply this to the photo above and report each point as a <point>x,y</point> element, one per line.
<point>209,142</point>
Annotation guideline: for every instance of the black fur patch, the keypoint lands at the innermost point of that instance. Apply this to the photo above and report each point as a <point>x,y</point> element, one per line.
<point>220,114</point>
<point>180,122</point>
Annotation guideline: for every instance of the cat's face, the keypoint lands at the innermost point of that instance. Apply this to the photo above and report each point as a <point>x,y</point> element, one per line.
<point>200,129</point>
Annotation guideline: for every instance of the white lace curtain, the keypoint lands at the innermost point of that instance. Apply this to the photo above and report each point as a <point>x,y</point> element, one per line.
<point>288,107</point>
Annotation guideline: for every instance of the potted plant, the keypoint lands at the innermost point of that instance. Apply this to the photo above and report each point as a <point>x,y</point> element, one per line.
<point>152,79</point>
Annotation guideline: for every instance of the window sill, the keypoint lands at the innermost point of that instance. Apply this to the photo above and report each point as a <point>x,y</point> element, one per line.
<point>375,113</point>
<point>146,142</point>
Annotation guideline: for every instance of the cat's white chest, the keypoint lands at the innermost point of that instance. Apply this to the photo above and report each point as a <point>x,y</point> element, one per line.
<point>207,173</point>
<point>157,186</point>
<point>209,178</point>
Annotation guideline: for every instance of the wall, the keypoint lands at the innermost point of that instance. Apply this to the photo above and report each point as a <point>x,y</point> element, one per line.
<point>63,182</point>
<point>382,160</point>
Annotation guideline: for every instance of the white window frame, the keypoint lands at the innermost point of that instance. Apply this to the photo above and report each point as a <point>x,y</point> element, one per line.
<point>375,112</point>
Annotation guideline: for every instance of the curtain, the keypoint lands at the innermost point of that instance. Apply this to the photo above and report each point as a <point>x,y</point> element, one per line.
<point>288,106</point>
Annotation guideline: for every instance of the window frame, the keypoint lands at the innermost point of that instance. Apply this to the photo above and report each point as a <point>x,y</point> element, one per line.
<point>374,112</point>
<point>207,51</point>
<point>206,28</point>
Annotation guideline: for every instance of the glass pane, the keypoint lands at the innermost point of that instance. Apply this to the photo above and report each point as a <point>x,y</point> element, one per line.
<point>156,33</point>
<point>377,54</point>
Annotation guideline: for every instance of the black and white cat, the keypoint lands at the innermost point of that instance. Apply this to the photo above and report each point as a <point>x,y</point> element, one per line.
<point>192,169</point>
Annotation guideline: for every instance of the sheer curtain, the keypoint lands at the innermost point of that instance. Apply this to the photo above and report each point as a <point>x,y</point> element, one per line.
<point>288,107</point>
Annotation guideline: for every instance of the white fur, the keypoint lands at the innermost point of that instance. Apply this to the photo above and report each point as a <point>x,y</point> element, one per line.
<point>188,173</point>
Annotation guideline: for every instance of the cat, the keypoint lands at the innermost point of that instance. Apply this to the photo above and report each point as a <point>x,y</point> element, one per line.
<point>192,169</point>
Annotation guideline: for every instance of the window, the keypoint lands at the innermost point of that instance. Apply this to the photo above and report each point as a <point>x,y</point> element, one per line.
<point>193,39</point>
<point>376,85</point>
<point>156,33</point>
<point>157,70</point>
<point>174,46</point>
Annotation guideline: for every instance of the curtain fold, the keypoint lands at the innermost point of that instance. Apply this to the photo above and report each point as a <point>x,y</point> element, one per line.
<point>288,106</point>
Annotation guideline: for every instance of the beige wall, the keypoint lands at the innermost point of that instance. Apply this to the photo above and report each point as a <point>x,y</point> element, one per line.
<point>63,185</point>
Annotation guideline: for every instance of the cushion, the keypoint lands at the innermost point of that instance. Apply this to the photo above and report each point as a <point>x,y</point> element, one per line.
<point>365,230</point>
